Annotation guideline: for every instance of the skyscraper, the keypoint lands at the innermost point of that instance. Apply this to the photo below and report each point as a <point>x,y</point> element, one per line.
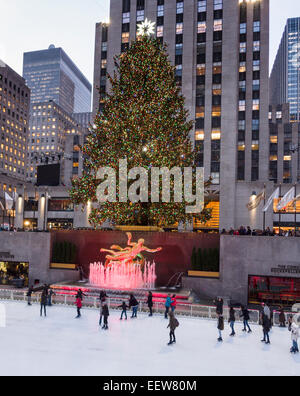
<point>51,75</point>
<point>220,49</point>
<point>285,76</point>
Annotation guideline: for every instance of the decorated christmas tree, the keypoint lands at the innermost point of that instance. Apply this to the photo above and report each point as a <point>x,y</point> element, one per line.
<point>143,121</point>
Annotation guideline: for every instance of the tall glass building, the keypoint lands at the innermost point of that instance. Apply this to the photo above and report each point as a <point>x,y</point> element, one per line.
<point>51,75</point>
<point>285,76</point>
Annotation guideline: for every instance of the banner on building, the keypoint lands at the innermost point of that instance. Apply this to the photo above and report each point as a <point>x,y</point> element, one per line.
<point>275,195</point>
<point>254,202</point>
<point>288,198</point>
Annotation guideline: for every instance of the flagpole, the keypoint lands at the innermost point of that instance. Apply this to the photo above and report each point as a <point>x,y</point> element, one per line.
<point>279,210</point>
<point>295,208</point>
<point>264,218</point>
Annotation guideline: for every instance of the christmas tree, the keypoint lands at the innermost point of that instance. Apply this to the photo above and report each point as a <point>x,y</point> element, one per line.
<point>143,121</point>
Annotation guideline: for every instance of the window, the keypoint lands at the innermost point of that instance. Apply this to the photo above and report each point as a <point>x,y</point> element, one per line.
<point>179,28</point>
<point>126,17</point>
<point>201,27</point>
<point>243,28</point>
<point>256,26</point>
<point>202,6</point>
<point>179,8</point>
<point>218,25</point>
<point>160,31</point>
<point>218,4</point>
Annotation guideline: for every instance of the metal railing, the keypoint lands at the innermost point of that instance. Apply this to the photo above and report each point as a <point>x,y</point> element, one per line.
<point>93,302</point>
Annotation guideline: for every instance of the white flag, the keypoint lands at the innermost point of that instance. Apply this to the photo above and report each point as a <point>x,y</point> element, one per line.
<point>9,202</point>
<point>275,195</point>
<point>289,196</point>
<point>1,206</point>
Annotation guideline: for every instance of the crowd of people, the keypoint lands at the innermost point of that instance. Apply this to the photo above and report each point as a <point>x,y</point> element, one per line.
<point>266,321</point>
<point>253,232</point>
<point>266,314</point>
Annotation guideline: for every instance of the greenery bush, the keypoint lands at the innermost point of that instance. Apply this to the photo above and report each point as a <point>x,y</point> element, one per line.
<point>64,252</point>
<point>205,260</point>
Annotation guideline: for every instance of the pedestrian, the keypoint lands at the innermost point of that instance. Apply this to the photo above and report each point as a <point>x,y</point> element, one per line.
<point>245,314</point>
<point>79,306</point>
<point>150,302</point>
<point>219,305</point>
<point>133,303</point>
<point>295,335</point>
<point>102,302</point>
<point>282,318</point>
<point>290,321</point>
<point>43,303</point>
<point>266,324</point>
<point>105,313</point>
<point>173,302</point>
<point>29,294</point>
<point>220,327</point>
<point>80,294</point>
<point>103,295</point>
<point>231,321</point>
<point>124,310</point>
<point>173,324</point>
<point>49,297</point>
<point>167,305</point>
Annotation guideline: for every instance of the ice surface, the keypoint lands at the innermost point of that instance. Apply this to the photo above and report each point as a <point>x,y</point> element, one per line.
<point>62,345</point>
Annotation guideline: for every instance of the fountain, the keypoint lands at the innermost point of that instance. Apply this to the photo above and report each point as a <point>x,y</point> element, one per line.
<point>125,268</point>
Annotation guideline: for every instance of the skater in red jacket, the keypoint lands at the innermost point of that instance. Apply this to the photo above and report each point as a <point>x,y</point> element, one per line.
<point>79,306</point>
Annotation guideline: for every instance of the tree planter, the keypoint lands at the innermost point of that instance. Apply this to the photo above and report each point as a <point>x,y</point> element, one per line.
<point>204,274</point>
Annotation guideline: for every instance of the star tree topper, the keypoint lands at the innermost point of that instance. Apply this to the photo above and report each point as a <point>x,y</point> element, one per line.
<point>146,28</point>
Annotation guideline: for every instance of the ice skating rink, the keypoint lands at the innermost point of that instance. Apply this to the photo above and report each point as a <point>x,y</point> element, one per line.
<point>62,345</point>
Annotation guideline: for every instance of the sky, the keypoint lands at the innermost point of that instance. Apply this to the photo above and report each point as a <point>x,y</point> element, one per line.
<point>28,25</point>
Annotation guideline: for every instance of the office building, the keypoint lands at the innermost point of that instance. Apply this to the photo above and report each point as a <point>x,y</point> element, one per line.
<point>52,75</point>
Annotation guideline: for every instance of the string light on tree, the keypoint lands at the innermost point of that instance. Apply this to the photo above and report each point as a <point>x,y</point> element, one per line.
<point>146,28</point>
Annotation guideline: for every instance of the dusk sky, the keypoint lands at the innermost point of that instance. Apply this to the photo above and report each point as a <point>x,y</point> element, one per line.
<point>70,24</point>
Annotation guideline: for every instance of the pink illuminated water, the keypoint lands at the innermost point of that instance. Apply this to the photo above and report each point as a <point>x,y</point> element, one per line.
<point>123,276</point>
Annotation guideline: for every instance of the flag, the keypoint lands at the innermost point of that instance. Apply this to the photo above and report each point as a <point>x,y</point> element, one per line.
<point>289,196</point>
<point>1,206</point>
<point>275,195</point>
<point>254,203</point>
<point>295,200</point>
<point>9,202</point>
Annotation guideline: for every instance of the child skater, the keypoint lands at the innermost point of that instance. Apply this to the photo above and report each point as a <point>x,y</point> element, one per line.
<point>124,310</point>
<point>79,306</point>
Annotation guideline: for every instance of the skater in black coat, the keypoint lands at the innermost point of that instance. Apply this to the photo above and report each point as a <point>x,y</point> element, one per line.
<point>29,294</point>
<point>124,310</point>
<point>44,301</point>
<point>105,313</point>
<point>134,304</point>
<point>266,324</point>
<point>219,305</point>
<point>220,327</point>
<point>245,314</point>
<point>232,321</point>
<point>80,294</point>
<point>150,303</point>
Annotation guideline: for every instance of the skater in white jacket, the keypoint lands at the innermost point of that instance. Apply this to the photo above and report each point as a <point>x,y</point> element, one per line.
<point>295,335</point>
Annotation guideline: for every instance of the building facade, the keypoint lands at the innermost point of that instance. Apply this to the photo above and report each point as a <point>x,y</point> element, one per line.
<point>221,53</point>
<point>284,80</point>
<point>52,75</point>
<point>14,123</point>
<point>54,137</point>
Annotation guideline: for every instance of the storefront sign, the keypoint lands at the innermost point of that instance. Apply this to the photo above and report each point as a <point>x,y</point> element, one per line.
<point>6,255</point>
<point>286,269</point>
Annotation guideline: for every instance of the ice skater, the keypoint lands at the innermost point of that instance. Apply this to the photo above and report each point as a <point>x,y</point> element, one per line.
<point>266,324</point>
<point>167,305</point>
<point>80,294</point>
<point>219,305</point>
<point>173,302</point>
<point>29,294</point>
<point>105,313</point>
<point>282,318</point>
<point>295,334</point>
<point>49,297</point>
<point>231,321</point>
<point>173,324</point>
<point>124,310</point>
<point>102,302</point>
<point>150,303</point>
<point>79,306</point>
<point>245,314</point>
<point>43,303</point>
<point>220,326</point>
<point>133,303</point>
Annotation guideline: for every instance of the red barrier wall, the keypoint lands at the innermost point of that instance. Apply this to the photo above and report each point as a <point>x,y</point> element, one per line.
<point>175,256</point>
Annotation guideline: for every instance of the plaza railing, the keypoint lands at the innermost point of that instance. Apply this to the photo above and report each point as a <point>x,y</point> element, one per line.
<point>114,303</point>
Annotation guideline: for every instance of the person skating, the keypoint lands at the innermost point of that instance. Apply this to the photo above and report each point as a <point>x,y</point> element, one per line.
<point>29,294</point>
<point>220,327</point>
<point>282,320</point>
<point>219,305</point>
<point>133,303</point>
<point>79,306</point>
<point>231,321</point>
<point>290,322</point>
<point>49,297</point>
<point>43,303</point>
<point>105,313</point>
<point>245,314</point>
<point>173,323</point>
<point>167,305</point>
<point>150,302</point>
<point>173,302</point>
<point>80,294</point>
<point>295,334</point>
<point>266,324</point>
<point>124,310</point>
